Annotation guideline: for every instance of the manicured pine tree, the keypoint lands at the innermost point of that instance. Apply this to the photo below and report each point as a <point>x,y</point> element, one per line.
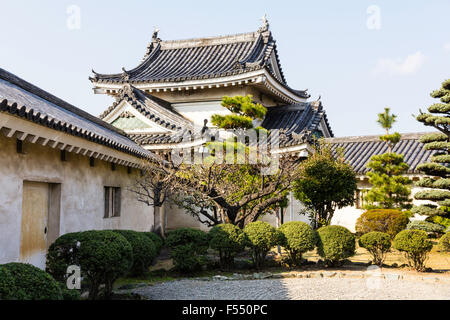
<point>390,189</point>
<point>437,170</point>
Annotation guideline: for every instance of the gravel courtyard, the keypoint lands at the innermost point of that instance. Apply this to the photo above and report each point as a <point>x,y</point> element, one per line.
<point>297,289</point>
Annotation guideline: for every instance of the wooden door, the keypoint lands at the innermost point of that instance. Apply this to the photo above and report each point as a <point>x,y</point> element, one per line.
<point>35,209</point>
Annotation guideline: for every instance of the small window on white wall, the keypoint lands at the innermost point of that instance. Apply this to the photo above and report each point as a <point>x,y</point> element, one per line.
<point>112,202</point>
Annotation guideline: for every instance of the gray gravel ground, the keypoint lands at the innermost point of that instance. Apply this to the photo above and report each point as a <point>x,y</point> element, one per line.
<point>297,289</point>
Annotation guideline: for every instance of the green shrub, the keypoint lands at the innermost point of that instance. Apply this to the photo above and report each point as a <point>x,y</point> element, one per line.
<point>429,227</point>
<point>228,240</point>
<point>415,245</point>
<point>260,237</point>
<point>444,242</point>
<point>378,244</point>
<point>144,251</point>
<point>187,248</point>
<point>336,243</point>
<point>297,238</point>
<point>8,289</point>
<point>69,294</point>
<point>443,221</point>
<point>382,220</point>
<point>28,283</point>
<point>157,240</point>
<point>102,256</point>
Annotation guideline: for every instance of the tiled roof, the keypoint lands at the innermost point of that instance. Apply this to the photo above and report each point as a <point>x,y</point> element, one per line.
<point>296,122</point>
<point>358,150</point>
<point>21,98</point>
<point>155,109</point>
<point>196,59</point>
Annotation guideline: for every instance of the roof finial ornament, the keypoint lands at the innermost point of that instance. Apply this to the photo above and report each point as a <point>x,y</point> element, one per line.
<point>125,75</point>
<point>155,35</point>
<point>265,26</point>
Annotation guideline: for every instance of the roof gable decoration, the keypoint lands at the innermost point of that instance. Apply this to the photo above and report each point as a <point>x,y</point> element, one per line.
<point>158,115</point>
<point>127,118</point>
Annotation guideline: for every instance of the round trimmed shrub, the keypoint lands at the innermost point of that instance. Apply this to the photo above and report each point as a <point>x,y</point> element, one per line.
<point>415,245</point>
<point>382,220</point>
<point>28,283</point>
<point>157,240</point>
<point>336,243</point>
<point>144,251</point>
<point>378,244</point>
<point>187,248</point>
<point>260,237</point>
<point>8,289</point>
<point>444,242</point>
<point>228,240</point>
<point>297,238</point>
<point>432,229</point>
<point>103,256</point>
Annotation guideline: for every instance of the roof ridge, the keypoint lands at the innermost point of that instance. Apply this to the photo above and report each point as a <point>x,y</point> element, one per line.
<point>222,39</point>
<point>404,136</point>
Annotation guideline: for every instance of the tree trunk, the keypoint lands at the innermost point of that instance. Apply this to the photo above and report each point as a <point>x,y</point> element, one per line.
<point>157,220</point>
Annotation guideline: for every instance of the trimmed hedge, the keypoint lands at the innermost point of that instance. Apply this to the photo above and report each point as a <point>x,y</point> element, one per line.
<point>336,243</point>
<point>187,248</point>
<point>297,238</point>
<point>389,221</point>
<point>428,227</point>
<point>8,289</point>
<point>144,251</point>
<point>378,244</point>
<point>26,282</point>
<point>102,256</point>
<point>157,240</point>
<point>228,240</point>
<point>261,237</point>
<point>444,242</point>
<point>415,245</point>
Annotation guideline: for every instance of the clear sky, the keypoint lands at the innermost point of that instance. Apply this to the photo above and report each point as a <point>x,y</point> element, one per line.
<point>360,56</point>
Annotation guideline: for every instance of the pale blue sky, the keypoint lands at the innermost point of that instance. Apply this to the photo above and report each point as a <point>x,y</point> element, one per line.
<point>324,46</point>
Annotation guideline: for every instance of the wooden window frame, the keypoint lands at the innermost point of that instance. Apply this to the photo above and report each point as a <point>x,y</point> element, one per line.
<point>112,202</point>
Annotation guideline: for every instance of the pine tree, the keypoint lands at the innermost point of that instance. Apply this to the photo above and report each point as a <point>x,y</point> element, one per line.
<point>437,170</point>
<point>390,188</point>
<point>243,110</point>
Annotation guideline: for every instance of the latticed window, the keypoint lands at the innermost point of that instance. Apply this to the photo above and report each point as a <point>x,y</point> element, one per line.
<point>112,202</point>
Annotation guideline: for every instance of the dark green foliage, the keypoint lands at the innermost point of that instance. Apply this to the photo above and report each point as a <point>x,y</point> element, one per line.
<point>102,256</point>
<point>297,238</point>
<point>144,251</point>
<point>415,245</point>
<point>157,240</point>
<point>8,289</point>
<point>378,244</point>
<point>389,188</point>
<point>28,283</point>
<point>428,227</point>
<point>382,220</point>
<point>336,243</point>
<point>261,237</point>
<point>69,294</point>
<point>438,170</point>
<point>228,240</point>
<point>187,248</point>
<point>444,242</point>
<point>326,184</point>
